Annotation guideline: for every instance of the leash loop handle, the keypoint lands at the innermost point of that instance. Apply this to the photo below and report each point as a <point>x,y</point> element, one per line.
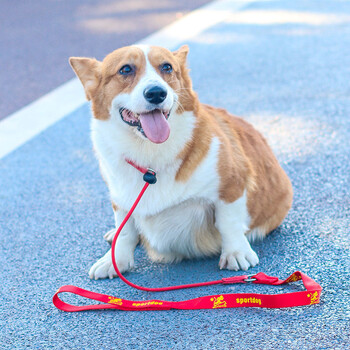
<point>309,296</point>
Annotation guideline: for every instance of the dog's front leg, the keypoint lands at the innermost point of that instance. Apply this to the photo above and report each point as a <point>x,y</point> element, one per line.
<point>124,251</point>
<point>232,220</point>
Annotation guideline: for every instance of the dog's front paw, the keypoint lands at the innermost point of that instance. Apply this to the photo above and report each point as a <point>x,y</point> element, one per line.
<point>110,235</point>
<point>103,268</point>
<point>238,259</point>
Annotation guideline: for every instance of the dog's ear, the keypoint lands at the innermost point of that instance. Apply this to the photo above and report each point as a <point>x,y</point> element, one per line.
<point>88,70</point>
<point>181,54</point>
<point>188,99</point>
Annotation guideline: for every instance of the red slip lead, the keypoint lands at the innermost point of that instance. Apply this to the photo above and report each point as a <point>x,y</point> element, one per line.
<point>309,296</point>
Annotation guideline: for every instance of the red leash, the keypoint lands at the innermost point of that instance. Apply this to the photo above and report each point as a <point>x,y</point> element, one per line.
<point>307,297</point>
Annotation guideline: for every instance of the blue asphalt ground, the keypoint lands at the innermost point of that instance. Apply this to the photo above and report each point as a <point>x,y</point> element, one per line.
<point>288,74</point>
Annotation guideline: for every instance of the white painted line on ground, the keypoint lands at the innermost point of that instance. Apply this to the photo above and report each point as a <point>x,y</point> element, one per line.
<point>194,23</point>
<point>23,125</point>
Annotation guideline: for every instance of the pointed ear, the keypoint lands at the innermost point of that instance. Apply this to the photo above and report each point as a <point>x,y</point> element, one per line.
<point>88,70</point>
<point>181,53</point>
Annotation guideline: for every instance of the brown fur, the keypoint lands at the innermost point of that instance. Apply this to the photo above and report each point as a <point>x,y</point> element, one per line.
<point>246,162</point>
<point>195,150</point>
<point>114,206</point>
<point>179,79</point>
<point>208,238</point>
<point>102,81</point>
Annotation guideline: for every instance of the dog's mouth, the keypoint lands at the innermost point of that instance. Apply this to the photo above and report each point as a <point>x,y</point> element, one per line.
<point>153,124</point>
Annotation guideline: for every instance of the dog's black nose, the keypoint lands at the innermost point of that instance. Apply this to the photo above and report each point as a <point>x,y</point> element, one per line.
<point>155,94</point>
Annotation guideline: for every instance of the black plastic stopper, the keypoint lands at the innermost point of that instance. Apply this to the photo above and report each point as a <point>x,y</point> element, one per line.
<point>150,177</point>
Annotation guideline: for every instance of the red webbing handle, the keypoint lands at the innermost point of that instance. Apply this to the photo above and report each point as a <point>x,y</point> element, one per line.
<point>308,297</point>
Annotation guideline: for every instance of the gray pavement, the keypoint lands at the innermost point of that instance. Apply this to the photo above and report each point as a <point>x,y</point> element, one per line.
<point>286,72</point>
<point>37,37</point>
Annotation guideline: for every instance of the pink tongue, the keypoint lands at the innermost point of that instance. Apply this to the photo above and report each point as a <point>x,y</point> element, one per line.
<point>155,126</point>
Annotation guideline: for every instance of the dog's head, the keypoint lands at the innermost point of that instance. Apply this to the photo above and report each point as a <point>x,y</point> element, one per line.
<point>142,85</point>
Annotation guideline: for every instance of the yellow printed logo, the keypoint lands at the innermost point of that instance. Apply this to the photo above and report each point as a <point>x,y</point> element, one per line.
<point>248,301</point>
<point>218,302</point>
<point>116,301</point>
<point>293,278</point>
<point>314,298</point>
<point>148,303</point>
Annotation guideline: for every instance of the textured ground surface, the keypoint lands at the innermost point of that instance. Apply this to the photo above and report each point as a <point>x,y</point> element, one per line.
<point>286,68</point>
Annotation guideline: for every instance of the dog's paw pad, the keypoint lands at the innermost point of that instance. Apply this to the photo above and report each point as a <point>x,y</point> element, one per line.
<point>238,260</point>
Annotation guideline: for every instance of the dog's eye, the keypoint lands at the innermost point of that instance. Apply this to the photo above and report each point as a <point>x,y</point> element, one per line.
<point>166,68</point>
<point>125,70</point>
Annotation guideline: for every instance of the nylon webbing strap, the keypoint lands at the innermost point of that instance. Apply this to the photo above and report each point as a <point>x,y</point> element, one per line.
<point>309,296</point>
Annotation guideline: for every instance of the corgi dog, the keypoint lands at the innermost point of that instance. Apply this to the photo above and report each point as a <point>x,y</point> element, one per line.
<point>219,184</point>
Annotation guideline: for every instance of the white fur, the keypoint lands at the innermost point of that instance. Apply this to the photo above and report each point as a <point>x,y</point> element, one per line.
<point>114,145</point>
<point>170,211</point>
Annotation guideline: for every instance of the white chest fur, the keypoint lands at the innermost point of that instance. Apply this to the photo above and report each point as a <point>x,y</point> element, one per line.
<point>171,213</point>
<point>113,145</point>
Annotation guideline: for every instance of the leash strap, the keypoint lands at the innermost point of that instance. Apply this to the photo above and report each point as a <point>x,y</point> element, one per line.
<point>308,297</point>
